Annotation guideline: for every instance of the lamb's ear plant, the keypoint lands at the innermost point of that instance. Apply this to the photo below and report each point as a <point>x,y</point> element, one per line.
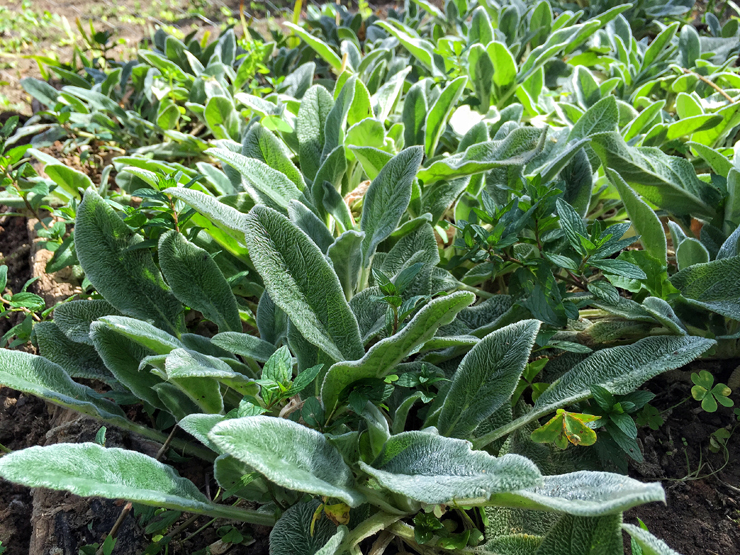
<point>303,316</point>
<point>364,454</point>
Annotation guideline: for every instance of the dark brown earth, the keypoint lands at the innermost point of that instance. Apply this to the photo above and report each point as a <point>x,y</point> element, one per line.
<point>702,516</point>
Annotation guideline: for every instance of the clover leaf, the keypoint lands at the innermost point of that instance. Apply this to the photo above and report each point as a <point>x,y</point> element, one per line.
<point>708,395</point>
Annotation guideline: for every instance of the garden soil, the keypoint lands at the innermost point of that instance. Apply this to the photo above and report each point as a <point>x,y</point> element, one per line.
<point>702,516</point>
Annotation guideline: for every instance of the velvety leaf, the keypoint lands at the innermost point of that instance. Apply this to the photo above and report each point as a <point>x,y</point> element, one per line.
<point>74,318</point>
<point>321,48</point>
<point>221,117</point>
<point>68,179</point>
<point>300,281</point>
<point>41,91</point>
<point>123,356</point>
<point>198,376</point>
<point>421,49</point>
<point>245,345</point>
<point>438,470</point>
<point>623,369</point>
<point>315,107</point>
<point>42,378</point>
<point>504,75</point>
<point>372,159</point>
<point>620,370</point>
<point>667,181</point>
<point>712,285</point>
<point>336,120</point>
<point>386,199</point>
<point>310,224</point>
<point>229,474</point>
<point>689,252</point>
<point>583,493</point>
<point>346,256</point>
<point>481,74</point>
<point>516,149</point>
<point>385,354</point>
<point>294,533</point>
<point>440,112</point>
<point>223,215</point>
<point>643,218</point>
<point>486,378</point>
<point>301,460</point>
<point>197,281</point>
<point>730,247</point>
<point>272,322</point>
<point>87,469</point>
<point>262,144</point>
<point>128,279</point>
<point>513,544</point>
<point>573,535</point>
<point>480,30</point>
<point>650,544</point>
<point>142,333</point>
<point>602,116</point>
<point>385,99</point>
<point>270,182</point>
<point>78,360</point>
<point>414,114</point>
<point>200,425</point>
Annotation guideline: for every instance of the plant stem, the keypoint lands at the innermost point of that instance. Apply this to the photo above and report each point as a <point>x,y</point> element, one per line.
<point>710,83</point>
<point>183,526</point>
<point>375,499</point>
<point>114,531</point>
<point>199,530</point>
<point>381,543</point>
<point>675,406</point>
<point>374,524</point>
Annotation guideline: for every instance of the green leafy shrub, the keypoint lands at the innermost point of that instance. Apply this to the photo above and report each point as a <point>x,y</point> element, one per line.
<point>363,270</point>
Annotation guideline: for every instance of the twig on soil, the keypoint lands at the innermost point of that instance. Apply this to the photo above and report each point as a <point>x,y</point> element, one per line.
<point>183,526</point>
<point>199,530</point>
<point>728,486</point>
<point>166,444</point>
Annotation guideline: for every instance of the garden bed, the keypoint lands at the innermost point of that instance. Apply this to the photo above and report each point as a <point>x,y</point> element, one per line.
<point>279,275</point>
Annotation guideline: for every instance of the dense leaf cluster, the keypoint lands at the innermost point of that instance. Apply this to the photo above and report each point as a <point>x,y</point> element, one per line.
<point>384,275</point>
